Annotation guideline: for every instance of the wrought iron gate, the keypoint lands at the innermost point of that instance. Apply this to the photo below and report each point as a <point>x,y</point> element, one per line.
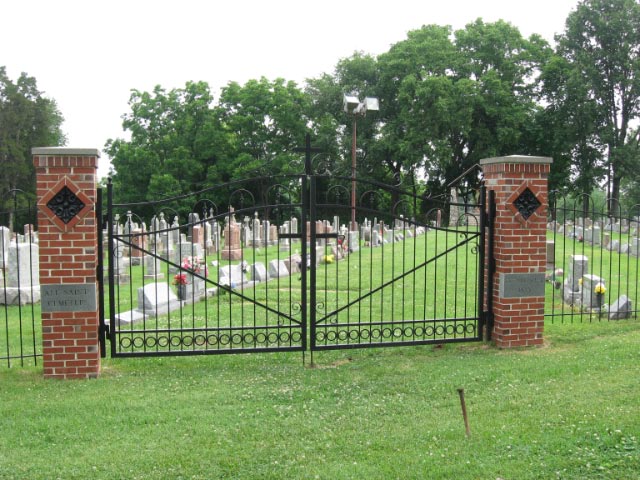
<point>276,269</point>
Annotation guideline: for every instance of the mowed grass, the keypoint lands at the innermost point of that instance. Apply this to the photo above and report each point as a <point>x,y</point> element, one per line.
<point>566,410</point>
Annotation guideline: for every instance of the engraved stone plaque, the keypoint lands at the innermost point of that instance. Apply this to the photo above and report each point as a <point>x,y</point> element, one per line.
<point>519,285</point>
<point>68,298</point>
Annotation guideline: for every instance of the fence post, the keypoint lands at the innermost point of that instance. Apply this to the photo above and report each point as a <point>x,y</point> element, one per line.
<point>66,191</point>
<point>520,186</point>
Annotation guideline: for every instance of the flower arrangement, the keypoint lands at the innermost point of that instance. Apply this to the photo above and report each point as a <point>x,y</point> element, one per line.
<point>189,265</point>
<point>180,279</point>
<point>600,289</point>
<point>192,264</point>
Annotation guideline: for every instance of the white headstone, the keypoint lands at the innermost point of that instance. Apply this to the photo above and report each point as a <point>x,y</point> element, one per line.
<point>5,240</point>
<point>277,268</point>
<point>157,299</point>
<point>231,276</point>
<point>23,268</point>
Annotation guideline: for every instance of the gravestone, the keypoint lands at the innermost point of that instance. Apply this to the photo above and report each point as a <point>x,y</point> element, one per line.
<point>353,243</point>
<point>232,249</point>
<point>197,233</point>
<point>231,276</point>
<point>183,251</point>
<point>293,263</point>
<point>164,236</point>
<point>259,272</point>
<point>193,219</point>
<point>174,235</point>
<point>22,275</point>
<point>208,239</point>
<point>121,264</point>
<point>155,299</point>
<point>620,309</point>
<point>273,235</point>
<point>635,247</point>
<point>152,268</point>
<point>375,238</point>
<point>551,253</point>
<point>255,238</point>
<point>614,246</point>
<point>285,244</point>
<point>277,268</point>
<point>366,233</point>
<point>5,240</point>
<point>578,266</point>
<point>591,299</point>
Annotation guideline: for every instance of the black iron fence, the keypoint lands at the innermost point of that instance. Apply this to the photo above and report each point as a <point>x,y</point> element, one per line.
<point>593,260</point>
<point>20,323</point>
<point>271,264</point>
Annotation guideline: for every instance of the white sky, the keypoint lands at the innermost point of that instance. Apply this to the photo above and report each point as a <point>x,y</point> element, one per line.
<point>88,55</point>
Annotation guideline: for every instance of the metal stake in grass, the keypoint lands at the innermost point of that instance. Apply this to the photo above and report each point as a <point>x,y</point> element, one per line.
<point>464,412</point>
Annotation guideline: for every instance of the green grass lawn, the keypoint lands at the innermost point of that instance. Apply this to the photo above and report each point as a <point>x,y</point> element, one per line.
<point>567,410</point>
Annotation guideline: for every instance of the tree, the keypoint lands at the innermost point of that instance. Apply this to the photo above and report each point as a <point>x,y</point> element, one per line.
<point>27,119</point>
<point>571,126</point>
<point>267,121</point>
<point>176,139</point>
<point>453,99</point>
<point>601,47</point>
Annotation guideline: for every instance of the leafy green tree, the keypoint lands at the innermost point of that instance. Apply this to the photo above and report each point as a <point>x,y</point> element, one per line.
<point>176,139</point>
<point>571,131</point>
<point>267,121</point>
<point>601,48</point>
<point>452,99</point>
<point>27,119</point>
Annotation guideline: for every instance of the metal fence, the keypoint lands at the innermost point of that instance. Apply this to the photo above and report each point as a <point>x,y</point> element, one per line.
<point>593,260</point>
<point>21,327</point>
<point>270,263</point>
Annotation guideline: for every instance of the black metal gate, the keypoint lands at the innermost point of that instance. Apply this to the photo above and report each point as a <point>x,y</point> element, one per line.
<point>269,264</point>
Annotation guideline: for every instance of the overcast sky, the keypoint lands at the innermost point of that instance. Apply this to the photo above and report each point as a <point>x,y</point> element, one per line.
<point>88,55</point>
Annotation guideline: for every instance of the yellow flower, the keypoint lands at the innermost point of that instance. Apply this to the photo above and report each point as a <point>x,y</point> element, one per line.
<point>600,288</point>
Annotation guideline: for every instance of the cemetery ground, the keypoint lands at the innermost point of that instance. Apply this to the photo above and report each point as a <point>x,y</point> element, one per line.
<point>566,410</point>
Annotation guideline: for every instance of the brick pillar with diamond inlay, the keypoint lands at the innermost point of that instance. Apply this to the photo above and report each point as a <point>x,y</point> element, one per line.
<point>520,186</point>
<point>66,190</point>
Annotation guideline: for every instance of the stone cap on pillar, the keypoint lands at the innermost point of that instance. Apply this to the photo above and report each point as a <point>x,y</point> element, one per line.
<point>516,159</point>
<point>66,151</point>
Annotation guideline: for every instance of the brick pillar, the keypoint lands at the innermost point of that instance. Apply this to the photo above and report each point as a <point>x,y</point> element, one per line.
<point>66,190</point>
<point>520,186</point>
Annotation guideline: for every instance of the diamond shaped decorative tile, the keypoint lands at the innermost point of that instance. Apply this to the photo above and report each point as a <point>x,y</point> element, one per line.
<point>526,203</point>
<point>65,205</point>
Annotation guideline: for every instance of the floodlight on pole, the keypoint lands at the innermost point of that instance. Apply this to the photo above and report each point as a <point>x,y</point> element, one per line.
<point>353,106</point>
